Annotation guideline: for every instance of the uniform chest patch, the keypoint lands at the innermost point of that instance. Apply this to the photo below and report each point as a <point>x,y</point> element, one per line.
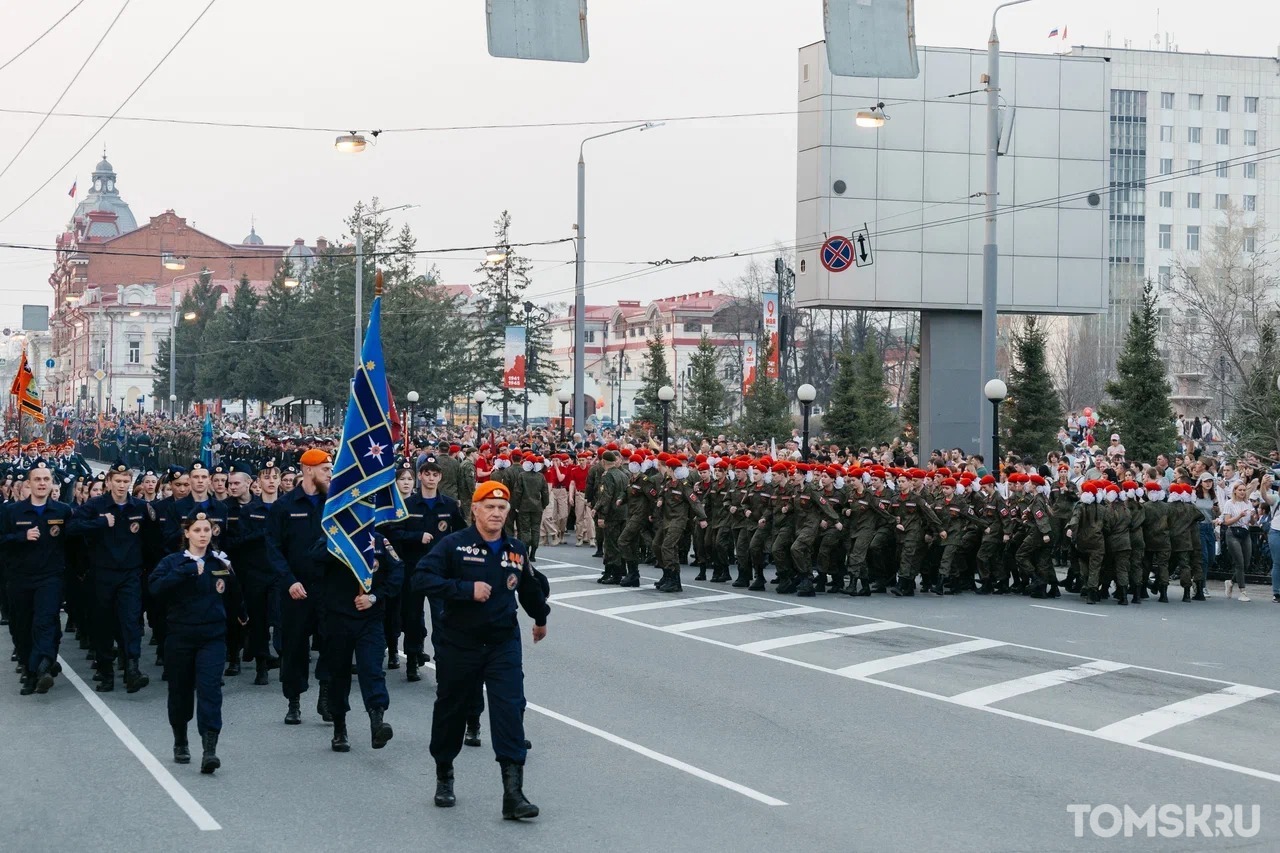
<point>512,580</point>
<point>443,525</point>
<point>220,585</point>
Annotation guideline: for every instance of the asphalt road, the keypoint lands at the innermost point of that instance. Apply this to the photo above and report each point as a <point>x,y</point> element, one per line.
<point>718,719</point>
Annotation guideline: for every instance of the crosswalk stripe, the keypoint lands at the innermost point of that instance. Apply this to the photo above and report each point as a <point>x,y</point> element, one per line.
<point>1142,726</point>
<point>567,578</point>
<point>738,618</point>
<point>875,667</point>
<point>817,636</point>
<point>983,696</point>
<point>586,593</point>
<point>668,602</point>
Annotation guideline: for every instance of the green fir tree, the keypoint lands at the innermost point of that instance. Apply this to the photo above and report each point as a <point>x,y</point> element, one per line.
<point>649,408</point>
<point>766,409</point>
<point>1142,414</point>
<point>704,402</point>
<point>1033,411</point>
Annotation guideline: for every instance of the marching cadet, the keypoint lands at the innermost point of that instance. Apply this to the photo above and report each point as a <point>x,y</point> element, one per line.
<point>916,521</point>
<point>480,574</point>
<point>701,548</point>
<point>642,494</point>
<point>1034,560</point>
<point>156,549</point>
<point>1115,527</point>
<point>1183,530</point>
<point>680,508</point>
<point>832,541</point>
<point>759,513</point>
<point>293,528</point>
<point>989,506</point>
<point>610,511</point>
<point>466,481</point>
<point>218,482</point>
<point>1086,530</point>
<point>1155,536</point>
<point>953,512</point>
<point>31,534</point>
<point>533,496</point>
<point>196,586</point>
<point>584,493</point>
<point>788,481</point>
<point>353,625</point>
<point>247,548</point>
<point>202,499</point>
<point>862,520</point>
<point>450,469</point>
<point>1129,493</point>
<point>114,526</point>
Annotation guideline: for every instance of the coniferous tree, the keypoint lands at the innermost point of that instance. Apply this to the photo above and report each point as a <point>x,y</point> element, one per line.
<point>840,421</point>
<point>1033,411</point>
<point>270,358</point>
<point>1255,423</point>
<point>225,370</point>
<point>766,409</point>
<point>704,402</point>
<point>501,304</point>
<point>1142,414</point>
<point>195,311</point>
<point>874,422</point>
<point>909,411</point>
<point>656,375</point>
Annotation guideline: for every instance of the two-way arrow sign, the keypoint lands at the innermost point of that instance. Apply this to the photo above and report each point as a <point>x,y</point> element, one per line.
<point>862,239</point>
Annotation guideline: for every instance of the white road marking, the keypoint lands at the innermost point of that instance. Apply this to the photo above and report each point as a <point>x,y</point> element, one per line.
<point>669,602</point>
<point>879,665</point>
<point>567,578</point>
<point>738,618</point>
<point>659,757</point>
<point>1195,758</point>
<point>817,636</point>
<point>587,593</point>
<point>172,786</point>
<point>1142,726</point>
<point>989,695</point>
<point>1069,610</point>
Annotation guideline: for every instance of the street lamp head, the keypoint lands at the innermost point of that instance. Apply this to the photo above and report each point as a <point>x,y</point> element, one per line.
<point>806,393</point>
<point>481,396</point>
<point>494,256</point>
<point>173,262</point>
<point>413,396</point>
<point>291,281</point>
<point>650,125</point>
<point>995,390</point>
<point>190,315</point>
<point>173,398</point>
<point>350,143</point>
<point>563,396</point>
<point>135,313</point>
<point>528,307</point>
<point>873,117</point>
<point>666,393</point>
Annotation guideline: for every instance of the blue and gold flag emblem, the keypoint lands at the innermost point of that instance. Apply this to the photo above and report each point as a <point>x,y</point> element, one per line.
<point>362,494</point>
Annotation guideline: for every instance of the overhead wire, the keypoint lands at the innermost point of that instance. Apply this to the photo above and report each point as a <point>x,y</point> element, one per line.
<point>40,37</point>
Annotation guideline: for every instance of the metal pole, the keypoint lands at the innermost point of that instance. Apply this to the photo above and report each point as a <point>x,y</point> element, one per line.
<point>995,439</point>
<point>804,447</point>
<point>563,406</point>
<point>359,281</point>
<point>989,249</point>
<point>580,304</point>
<point>666,421</point>
<point>173,346</point>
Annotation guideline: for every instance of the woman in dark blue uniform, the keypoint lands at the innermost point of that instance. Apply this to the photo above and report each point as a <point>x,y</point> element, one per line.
<point>193,585</point>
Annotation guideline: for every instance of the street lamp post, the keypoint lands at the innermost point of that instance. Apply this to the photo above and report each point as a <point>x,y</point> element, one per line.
<point>995,391</point>
<point>480,397</point>
<point>173,404</point>
<point>989,252</point>
<point>408,436</point>
<point>563,397</point>
<point>806,394</point>
<point>665,395</point>
<point>579,287</point>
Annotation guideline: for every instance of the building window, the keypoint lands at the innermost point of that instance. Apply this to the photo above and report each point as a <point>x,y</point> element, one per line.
<point>1166,100</point>
<point>1251,105</point>
<point>135,352</point>
<point>1193,201</point>
<point>1250,240</point>
<point>1251,170</point>
<point>1166,276</point>
<point>694,326</point>
<point>1224,103</point>
<point>589,337</point>
<point>1193,134</point>
<point>1195,102</point>
<point>1166,133</point>
<point>1166,236</point>
<point>1250,203</point>
<point>1221,170</point>
<point>1221,201</point>
<point>1193,166</point>
<point>1166,165</point>
<point>1193,238</point>
<point>1224,136</point>
<point>1166,199</point>
<point>1251,138</point>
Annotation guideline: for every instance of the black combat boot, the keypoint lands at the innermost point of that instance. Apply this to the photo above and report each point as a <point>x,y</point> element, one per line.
<point>788,584</point>
<point>1123,596</point>
<point>444,787</point>
<point>805,588</point>
<point>1199,593</point>
<point>261,677</point>
<point>865,592</point>
<point>612,576</point>
<point>1036,590</point>
<point>293,716</point>
<point>181,751</point>
<point>393,658</point>
<point>106,678</point>
<point>514,804</point>
<point>744,578</point>
<point>632,578</point>
<point>757,582</point>
<point>1093,594</point>
<point>322,703</point>
<point>209,761</point>
<point>472,737</point>
<point>940,589</point>
<point>44,676</point>
<point>719,575</point>
<point>339,742</point>
<point>411,665</point>
<point>1186,593</point>
<point>702,573</point>
<point>380,730</point>
<point>134,680</point>
<point>233,668</point>
<point>28,684</point>
<point>672,583</point>
<point>1135,595</point>
<point>1164,593</point>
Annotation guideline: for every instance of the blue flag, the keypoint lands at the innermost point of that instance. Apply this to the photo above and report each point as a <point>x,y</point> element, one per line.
<point>206,441</point>
<point>362,494</point>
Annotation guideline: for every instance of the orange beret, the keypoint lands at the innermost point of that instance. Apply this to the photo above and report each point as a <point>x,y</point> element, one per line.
<point>490,489</point>
<point>314,456</point>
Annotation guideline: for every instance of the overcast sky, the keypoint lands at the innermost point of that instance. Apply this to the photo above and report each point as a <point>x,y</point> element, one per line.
<point>689,188</point>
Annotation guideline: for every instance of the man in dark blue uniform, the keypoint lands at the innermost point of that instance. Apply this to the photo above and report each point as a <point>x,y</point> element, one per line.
<point>429,517</point>
<point>293,529</point>
<point>32,536</point>
<point>114,526</point>
<point>480,574</point>
<point>246,541</point>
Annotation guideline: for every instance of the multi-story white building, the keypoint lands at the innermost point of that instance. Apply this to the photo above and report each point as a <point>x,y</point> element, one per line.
<point>1192,136</point>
